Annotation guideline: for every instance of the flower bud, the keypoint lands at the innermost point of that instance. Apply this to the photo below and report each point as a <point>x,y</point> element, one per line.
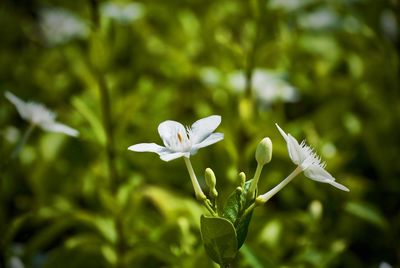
<point>211,181</point>
<point>242,179</point>
<point>264,151</point>
<point>214,193</point>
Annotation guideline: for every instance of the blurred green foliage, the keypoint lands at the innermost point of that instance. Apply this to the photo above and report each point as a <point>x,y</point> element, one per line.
<point>88,202</point>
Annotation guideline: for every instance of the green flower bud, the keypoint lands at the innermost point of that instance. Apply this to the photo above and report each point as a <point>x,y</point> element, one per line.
<point>264,151</point>
<point>239,190</point>
<point>242,179</point>
<point>211,181</point>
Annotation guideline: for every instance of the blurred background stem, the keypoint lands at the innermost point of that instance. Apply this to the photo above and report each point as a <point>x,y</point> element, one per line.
<point>23,141</point>
<point>108,128</point>
<point>105,106</point>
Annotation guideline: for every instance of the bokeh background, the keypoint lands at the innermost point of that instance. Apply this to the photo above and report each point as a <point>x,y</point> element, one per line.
<point>326,70</point>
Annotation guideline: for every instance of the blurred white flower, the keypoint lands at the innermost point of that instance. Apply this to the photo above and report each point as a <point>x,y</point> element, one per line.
<point>389,24</point>
<point>385,265</point>
<point>304,157</point>
<point>39,115</point>
<point>15,262</point>
<point>180,141</point>
<point>123,13</point>
<point>319,20</point>
<point>60,26</point>
<point>288,5</point>
<point>269,87</point>
<point>210,76</point>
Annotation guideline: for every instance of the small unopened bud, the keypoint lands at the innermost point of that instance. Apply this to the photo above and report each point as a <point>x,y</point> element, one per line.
<point>242,179</point>
<point>239,190</point>
<point>211,181</point>
<point>264,151</point>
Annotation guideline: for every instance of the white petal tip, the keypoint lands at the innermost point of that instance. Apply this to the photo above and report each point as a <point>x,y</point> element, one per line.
<point>134,148</point>
<point>339,186</point>
<point>283,133</point>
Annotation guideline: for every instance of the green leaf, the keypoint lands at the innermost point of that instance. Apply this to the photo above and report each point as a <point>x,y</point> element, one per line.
<point>234,208</point>
<point>91,117</point>
<point>242,228</point>
<point>219,238</point>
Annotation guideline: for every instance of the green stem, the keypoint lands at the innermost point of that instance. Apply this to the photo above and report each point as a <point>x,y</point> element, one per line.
<point>121,245</point>
<point>105,108</point>
<point>197,189</point>
<point>23,141</point>
<point>265,197</point>
<point>254,182</point>
<point>196,186</point>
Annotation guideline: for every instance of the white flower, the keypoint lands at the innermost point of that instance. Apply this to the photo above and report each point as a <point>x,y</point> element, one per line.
<point>60,25</point>
<point>39,115</point>
<point>123,13</point>
<point>305,157</point>
<point>180,141</point>
<point>269,87</point>
<point>321,19</point>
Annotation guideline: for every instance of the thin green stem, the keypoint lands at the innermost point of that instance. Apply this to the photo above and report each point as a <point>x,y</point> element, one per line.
<point>196,186</point>
<point>254,182</point>
<point>265,197</point>
<point>23,141</point>
<point>209,207</point>
<point>100,74</point>
<point>105,107</point>
<point>197,189</point>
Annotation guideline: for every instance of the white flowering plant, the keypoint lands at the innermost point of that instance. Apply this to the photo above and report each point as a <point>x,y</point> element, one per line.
<point>224,231</point>
<point>37,115</point>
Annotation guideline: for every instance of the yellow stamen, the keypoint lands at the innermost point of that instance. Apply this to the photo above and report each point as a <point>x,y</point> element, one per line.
<point>179,137</point>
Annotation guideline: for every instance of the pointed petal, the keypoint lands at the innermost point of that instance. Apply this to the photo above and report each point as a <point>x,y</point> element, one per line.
<point>293,146</point>
<point>147,147</point>
<point>168,129</point>
<point>202,128</point>
<point>172,156</point>
<point>317,173</point>
<point>213,138</point>
<point>59,128</point>
<point>284,135</point>
<point>19,104</point>
<point>339,186</point>
<point>295,150</point>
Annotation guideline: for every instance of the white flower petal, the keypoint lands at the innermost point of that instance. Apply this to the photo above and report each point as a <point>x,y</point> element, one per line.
<point>172,156</point>
<point>202,128</point>
<point>19,104</point>
<point>213,138</point>
<point>317,173</point>
<point>339,186</point>
<point>295,150</point>
<point>284,135</point>
<point>148,147</point>
<point>60,128</point>
<point>169,129</point>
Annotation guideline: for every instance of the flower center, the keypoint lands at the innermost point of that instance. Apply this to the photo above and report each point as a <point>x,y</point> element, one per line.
<point>311,158</point>
<point>39,114</point>
<point>179,141</point>
<point>179,137</point>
